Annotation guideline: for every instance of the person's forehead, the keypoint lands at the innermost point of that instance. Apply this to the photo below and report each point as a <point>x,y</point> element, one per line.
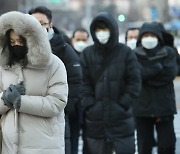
<point>40,17</point>
<point>133,32</point>
<point>80,34</point>
<point>149,34</point>
<point>14,35</point>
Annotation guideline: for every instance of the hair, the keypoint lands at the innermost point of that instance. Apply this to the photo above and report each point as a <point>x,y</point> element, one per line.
<point>80,30</point>
<point>132,28</point>
<point>101,25</point>
<point>42,9</point>
<point>7,45</point>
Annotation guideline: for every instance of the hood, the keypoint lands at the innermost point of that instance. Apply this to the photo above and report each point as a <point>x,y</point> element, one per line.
<point>152,28</point>
<point>112,25</point>
<point>39,50</point>
<point>168,38</point>
<point>60,32</point>
<point>57,43</point>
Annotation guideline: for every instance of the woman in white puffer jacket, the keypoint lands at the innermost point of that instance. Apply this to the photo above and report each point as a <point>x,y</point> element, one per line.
<point>33,120</point>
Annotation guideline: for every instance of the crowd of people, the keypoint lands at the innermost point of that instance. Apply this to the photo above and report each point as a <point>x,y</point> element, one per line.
<point>53,87</point>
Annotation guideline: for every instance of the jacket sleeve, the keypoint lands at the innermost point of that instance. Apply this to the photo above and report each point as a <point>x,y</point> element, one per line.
<point>169,71</point>
<point>178,61</point>
<point>133,81</point>
<point>147,72</point>
<point>3,108</point>
<point>55,100</point>
<point>87,87</point>
<point>74,75</point>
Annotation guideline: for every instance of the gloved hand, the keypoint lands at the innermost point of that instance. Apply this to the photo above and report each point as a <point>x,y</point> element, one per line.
<point>6,102</point>
<point>13,96</point>
<point>20,88</point>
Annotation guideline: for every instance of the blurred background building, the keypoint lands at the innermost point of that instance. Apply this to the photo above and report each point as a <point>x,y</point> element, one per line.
<point>70,14</point>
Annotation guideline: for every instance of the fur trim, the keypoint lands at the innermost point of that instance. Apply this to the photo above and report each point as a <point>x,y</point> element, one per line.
<point>39,50</point>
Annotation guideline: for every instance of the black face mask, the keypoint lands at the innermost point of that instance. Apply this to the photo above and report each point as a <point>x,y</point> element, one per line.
<point>19,52</point>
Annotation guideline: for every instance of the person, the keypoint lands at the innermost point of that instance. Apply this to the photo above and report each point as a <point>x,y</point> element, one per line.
<point>155,106</point>
<point>169,41</point>
<point>80,40</point>
<point>111,82</point>
<point>33,88</point>
<point>131,36</point>
<point>71,61</point>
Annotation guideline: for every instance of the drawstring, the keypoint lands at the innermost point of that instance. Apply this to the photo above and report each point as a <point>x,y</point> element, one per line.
<point>16,131</point>
<point>16,116</point>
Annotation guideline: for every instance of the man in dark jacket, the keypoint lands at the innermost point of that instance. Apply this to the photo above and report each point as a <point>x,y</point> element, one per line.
<point>79,40</point>
<point>111,82</point>
<point>74,75</point>
<point>131,36</point>
<point>155,107</point>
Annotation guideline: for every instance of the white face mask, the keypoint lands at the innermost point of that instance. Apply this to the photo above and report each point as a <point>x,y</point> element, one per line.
<point>103,36</point>
<point>149,42</point>
<point>131,43</point>
<point>50,33</point>
<point>79,46</point>
<point>45,30</point>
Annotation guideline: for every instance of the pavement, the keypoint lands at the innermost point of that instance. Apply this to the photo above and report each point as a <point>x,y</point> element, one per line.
<point>177,131</point>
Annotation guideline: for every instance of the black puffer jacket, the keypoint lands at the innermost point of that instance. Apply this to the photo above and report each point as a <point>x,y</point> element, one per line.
<point>169,41</point>
<point>157,96</point>
<point>107,103</point>
<point>74,73</point>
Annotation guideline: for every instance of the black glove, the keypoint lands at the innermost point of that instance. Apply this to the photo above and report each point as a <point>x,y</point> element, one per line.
<point>158,66</point>
<point>20,88</point>
<point>13,96</point>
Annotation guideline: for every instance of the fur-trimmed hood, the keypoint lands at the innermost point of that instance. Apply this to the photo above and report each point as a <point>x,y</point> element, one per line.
<point>39,50</point>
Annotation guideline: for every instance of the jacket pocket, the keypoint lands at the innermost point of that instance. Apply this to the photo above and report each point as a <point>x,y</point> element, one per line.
<point>94,112</point>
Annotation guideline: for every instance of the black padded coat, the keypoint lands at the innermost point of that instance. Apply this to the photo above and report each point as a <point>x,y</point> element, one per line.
<point>107,102</point>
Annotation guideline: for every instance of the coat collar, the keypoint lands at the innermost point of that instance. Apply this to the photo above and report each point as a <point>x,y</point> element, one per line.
<point>159,54</point>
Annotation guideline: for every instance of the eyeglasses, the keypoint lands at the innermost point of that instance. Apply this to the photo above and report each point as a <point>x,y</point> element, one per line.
<point>44,24</point>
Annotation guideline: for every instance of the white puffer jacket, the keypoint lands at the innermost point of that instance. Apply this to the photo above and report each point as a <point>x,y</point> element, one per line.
<point>38,127</point>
